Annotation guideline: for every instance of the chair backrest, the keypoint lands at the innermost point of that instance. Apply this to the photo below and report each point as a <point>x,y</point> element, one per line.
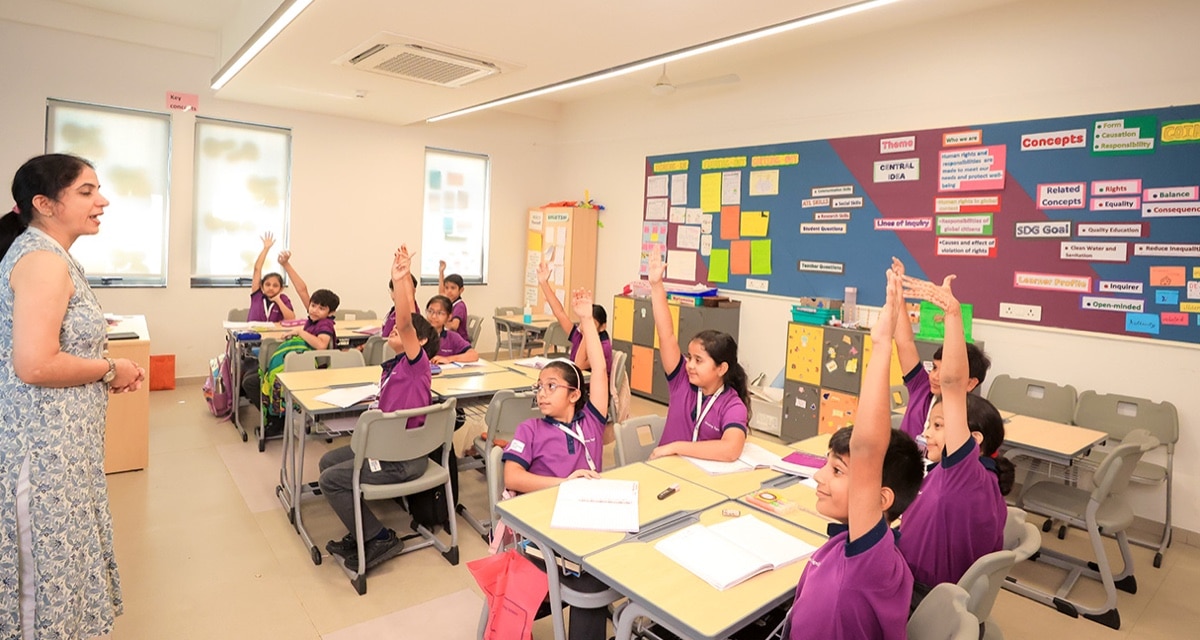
<point>636,438</point>
<point>266,349</point>
<point>557,341</point>
<point>1028,542</point>
<point>322,359</point>
<point>507,410</point>
<point>1035,398</point>
<point>1117,415</point>
<point>385,436</point>
<point>983,579</point>
<point>943,615</point>
<point>372,350</point>
<point>508,311</point>
<point>237,315</point>
<point>386,352</point>
<point>898,395</point>
<point>474,325</point>
<point>1112,476</point>
<point>356,314</point>
<point>495,481</point>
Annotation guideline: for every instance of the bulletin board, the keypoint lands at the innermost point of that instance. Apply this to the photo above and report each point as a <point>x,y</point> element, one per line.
<point>1084,222</point>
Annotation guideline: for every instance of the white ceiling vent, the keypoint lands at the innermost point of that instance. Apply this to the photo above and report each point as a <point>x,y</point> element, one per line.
<point>421,63</point>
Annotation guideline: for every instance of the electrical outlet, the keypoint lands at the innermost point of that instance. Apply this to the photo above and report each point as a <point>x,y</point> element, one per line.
<point>1027,312</point>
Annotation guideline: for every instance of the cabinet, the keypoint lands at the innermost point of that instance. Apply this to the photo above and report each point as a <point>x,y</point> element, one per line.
<point>633,333</point>
<point>127,425</point>
<point>566,238</point>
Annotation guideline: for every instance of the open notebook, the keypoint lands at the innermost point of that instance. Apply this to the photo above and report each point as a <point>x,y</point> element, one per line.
<point>349,396</point>
<point>756,457</point>
<point>731,552</point>
<point>598,504</point>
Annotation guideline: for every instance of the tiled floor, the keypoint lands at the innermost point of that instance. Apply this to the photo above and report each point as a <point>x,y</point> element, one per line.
<point>205,551</point>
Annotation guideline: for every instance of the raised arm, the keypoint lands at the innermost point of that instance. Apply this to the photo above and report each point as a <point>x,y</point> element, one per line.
<point>873,430</point>
<point>906,344</point>
<point>955,372</point>
<point>668,344</point>
<point>404,337</point>
<point>268,240</point>
<point>285,261</point>
<point>441,277</point>
<point>564,321</point>
<point>581,302</point>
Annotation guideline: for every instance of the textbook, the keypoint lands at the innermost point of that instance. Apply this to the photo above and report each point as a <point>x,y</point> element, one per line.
<point>799,463</point>
<point>349,396</point>
<point>753,457</point>
<point>597,504</point>
<point>536,362</point>
<point>731,552</point>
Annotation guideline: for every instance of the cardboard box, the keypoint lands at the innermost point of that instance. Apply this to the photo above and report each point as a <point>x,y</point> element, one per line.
<point>766,409</point>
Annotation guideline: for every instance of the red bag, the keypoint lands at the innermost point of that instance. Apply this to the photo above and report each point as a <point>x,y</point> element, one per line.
<point>515,588</point>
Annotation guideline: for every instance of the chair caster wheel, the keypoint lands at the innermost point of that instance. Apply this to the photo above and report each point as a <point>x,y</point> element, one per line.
<point>1047,526</point>
<point>1157,560</point>
<point>1062,532</point>
<point>316,555</point>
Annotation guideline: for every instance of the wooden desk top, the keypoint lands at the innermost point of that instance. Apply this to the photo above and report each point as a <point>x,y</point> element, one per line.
<point>817,445</point>
<point>1055,438</point>
<point>538,321</point>
<point>343,327</point>
<point>806,516</point>
<point>483,384</point>
<point>684,600</point>
<point>531,513</point>
<point>323,378</point>
<point>730,485</point>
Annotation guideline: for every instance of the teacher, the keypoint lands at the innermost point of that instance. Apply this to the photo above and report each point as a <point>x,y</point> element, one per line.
<point>55,378</point>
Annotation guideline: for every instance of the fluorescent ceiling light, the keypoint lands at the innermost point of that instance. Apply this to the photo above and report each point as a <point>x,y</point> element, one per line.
<point>275,24</point>
<point>715,45</point>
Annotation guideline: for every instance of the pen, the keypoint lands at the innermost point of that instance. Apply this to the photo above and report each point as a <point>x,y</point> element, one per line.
<point>666,493</point>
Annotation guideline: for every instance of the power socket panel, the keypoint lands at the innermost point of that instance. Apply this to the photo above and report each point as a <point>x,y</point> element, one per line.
<point>1026,312</point>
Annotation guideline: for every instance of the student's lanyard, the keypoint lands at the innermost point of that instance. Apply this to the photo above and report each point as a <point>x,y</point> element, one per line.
<point>267,307</point>
<point>700,414</point>
<point>577,434</point>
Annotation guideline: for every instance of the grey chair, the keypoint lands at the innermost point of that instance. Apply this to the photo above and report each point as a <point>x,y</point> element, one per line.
<point>506,410</point>
<point>943,615</point>
<point>237,315</point>
<point>982,582</point>
<point>474,325</point>
<point>323,359</point>
<point>618,379</point>
<point>1034,398</point>
<point>386,436</point>
<point>636,438</point>
<point>556,342</point>
<point>355,314</point>
<point>508,336</point>
<point>372,351</point>
<point>1117,415</point>
<point>1104,510</point>
<point>899,398</point>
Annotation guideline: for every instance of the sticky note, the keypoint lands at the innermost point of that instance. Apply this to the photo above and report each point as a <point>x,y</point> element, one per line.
<point>1189,307</point>
<point>1196,272</point>
<point>846,339</point>
<point>831,366</point>
<point>1166,296</point>
<point>760,257</point>
<point>755,223</point>
<point>739,257</point>
<point>852,365</point>
<point>1141,323</point>
<point>1167,276</point>
<point>718,265</point>
<point>710,192</point>
<point>731,223</point>
<point>1176,319</point>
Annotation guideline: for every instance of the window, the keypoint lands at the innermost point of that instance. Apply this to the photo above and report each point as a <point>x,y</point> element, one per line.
<point>456,215</point>
<point>243,174</point>
<point>131,151</point>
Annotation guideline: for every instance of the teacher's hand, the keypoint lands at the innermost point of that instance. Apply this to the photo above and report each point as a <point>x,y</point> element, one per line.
<point>129,376</point>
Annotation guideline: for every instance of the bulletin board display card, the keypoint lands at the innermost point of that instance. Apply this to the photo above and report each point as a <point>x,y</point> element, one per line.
<point>1084,222</point>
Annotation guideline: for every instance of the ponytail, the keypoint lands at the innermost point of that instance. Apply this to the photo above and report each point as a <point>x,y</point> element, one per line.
<point>12,224</point>
<point>1006,473</point>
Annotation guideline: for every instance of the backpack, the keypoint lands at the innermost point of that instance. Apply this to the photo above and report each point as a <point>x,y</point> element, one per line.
<point>428,508</point>
<point>218,387</point>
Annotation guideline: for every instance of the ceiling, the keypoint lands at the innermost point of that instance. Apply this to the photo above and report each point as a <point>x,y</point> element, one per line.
<point>535,42</point>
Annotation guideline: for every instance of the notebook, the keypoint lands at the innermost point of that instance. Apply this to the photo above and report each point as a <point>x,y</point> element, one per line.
<point>799,463</point>
<point>597,504</point>
<point>753,457</point>
<point>731,552</point>
<point>349,396</point>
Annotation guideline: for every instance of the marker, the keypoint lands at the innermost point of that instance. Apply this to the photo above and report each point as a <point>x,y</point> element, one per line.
<point>666,493</point>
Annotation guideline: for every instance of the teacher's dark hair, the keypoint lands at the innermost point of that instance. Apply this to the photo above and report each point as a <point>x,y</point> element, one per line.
<point>46,175</point>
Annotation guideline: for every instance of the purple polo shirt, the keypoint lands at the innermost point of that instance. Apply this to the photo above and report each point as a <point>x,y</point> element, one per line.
<point>263,310</point>
<point>727,411</point>
<point>956,519</point>
<point>406,386</point>
<point>389,321</point>
<point>856,590</point>
<point>919,397</point>
<point>323,326</point>
<point>459,310</point>
<point>452,344</point>
<point>543,449</point>
<point>576,339</point>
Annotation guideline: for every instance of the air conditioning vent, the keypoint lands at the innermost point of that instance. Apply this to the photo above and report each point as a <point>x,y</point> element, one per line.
<point>423,64</point>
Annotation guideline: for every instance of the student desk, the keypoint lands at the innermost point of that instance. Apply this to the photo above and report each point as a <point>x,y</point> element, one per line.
<point>805,516</point>
<point>675,598</point>
<point>817,445</point>
<point>529,515</point>
<point>1046,440</point>
<point>535,328</point>
<point>730,485</point>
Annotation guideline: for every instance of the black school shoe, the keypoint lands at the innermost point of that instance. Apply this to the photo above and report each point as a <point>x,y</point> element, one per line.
<point>377,551</point>
<point>345,547</point>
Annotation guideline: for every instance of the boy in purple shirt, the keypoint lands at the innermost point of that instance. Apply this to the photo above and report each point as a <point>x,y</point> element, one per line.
<point>267,301</point>
<point>451,286</point>
<point>406,385</point>
<point>318,331</point>
<point>566,443</point>
<point>923,385</point>
<point>857,585</point>
<point>599,316</point>
<point>959,515</point>
<point>707,415</point>
<point>454,348</point>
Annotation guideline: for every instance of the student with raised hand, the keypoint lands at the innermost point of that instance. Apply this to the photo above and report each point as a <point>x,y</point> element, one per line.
<point>857,585</point>
<point>924,386</point>
<point>267,301</point>
<point>598,315</point>
<point>959,515</point>
<point>453,347</point>
<point>389,320</point>
<point>452,286</point>
<point>707,415</point>
<point>319,331</point>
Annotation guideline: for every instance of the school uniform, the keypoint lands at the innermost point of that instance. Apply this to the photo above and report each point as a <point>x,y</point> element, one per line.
<point>264,310</point>
<point>459,310</point>
<point>406,385</point>
<point>389,321</point>
<point>724,410</point>
<point>452,344</point>
<point>856,589</point>
<point>576,339</point>
<point>956,519</point>
<point>324,326</point>
<point>920,398</point>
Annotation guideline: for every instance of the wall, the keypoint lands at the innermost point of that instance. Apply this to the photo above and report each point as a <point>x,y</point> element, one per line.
<point>1019,61</point>
<point>356,186</point>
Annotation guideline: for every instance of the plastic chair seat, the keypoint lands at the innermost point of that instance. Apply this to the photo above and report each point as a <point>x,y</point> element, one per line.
<point>1114,514</point>
<point>435,476</point>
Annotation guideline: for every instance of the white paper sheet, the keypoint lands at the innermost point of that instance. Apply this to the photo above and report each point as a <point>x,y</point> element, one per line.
<point>679,185</point>
<point>681,265</point>
<point>656,208</point>
<point>688,237</point>
<point>656,186</point>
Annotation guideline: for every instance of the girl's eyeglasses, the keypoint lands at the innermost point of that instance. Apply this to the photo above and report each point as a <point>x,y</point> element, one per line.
<point>435,312</point>
<point>549,387</point>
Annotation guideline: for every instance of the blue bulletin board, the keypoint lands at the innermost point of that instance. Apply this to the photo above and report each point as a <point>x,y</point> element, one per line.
<point>1085,222</point>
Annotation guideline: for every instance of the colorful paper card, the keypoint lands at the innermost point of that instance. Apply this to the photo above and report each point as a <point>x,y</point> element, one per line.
<point>718,265</point>
<point>731,223</point>
<point>739,257</point>
<point>755,224</point>
<point>1166,296</point>
<point>1167,276</point>
<point>710,192</point>
<point>760,257</point>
